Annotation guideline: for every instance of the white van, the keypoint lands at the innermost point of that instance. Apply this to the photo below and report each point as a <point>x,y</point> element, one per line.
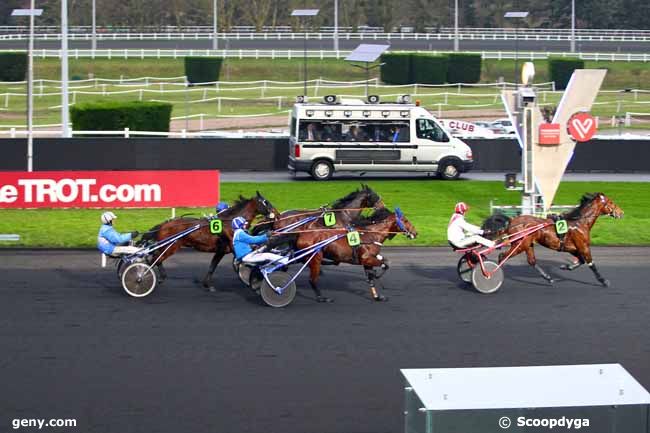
<point>353,135</point>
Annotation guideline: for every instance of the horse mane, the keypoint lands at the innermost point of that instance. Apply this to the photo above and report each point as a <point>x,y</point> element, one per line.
<point>585,200</point>
<point>345,201</point>
<point>237,206</point>
<point>496,223</point>
<point>377,216</point>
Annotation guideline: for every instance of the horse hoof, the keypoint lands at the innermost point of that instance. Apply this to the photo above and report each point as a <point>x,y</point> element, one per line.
<point>324,299</point>
<point>605,283</point>
<point>210,289</point>
<point>565,267</point>
<point>380,298</point>
<point>551,281</point>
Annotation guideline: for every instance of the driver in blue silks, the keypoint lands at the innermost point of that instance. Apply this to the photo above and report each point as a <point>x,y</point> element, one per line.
<point>242,242</point>
<point>110,241</point>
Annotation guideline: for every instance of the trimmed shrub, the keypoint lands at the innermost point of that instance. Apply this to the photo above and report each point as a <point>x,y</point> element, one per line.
<point>429,69</point>
<point>202,69</point>
<point>396,68</point>
<point>13,66</point>
<point>560,70</point>
<point>115,116</point>
<point>464,68</point>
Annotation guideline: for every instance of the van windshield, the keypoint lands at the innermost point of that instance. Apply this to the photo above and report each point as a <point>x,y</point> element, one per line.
<point>429,130</point>
<point>355,130</point>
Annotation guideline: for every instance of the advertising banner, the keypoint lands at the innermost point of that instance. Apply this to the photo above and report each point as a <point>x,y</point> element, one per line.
<point>114,189</point>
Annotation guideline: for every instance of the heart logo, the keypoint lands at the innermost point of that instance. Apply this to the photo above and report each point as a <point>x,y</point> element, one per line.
<point>583,127</point>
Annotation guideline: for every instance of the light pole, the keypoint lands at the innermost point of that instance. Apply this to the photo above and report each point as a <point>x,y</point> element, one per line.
<point>516,16</point>
<point>304,13</point>
<point>65,130</point>
<point>336,26</point>
<point>94,45</point>
<point>573,26</point>
<point>31,12</point>
<point>215,41</point>
<point>456,39</point>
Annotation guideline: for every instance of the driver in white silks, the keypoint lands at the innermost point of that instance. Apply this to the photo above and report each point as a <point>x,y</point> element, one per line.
<point>112,242</point>
<point>462,234</point>
<point>242,242</point>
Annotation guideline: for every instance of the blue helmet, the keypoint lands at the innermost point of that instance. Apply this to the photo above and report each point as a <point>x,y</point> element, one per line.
<point>238,223</point>
<point>221,206</point>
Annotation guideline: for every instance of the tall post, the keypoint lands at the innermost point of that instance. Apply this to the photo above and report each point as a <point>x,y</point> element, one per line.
<point>94,44</point>
<point>30,91</point>
<point>304,55</point>
<point>573,26</point>
<point>456,37</point>
<point>336,26</point>
<point>516,55</point>
<point>215,41</point>
<point>64,70</point>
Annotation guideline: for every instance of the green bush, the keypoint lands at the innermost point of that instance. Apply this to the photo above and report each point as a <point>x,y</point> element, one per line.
<point>13,66</point>
<point>560,70</point>
<point>464,68</point>
<point>115,116</point>
<point>396,68</point>
<point>202,69</point>
<point>429,69</point>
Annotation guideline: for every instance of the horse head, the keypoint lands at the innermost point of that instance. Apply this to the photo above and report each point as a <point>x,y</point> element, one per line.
<point>264,207</point>
<point>404,225</point>
<point>608,207</point>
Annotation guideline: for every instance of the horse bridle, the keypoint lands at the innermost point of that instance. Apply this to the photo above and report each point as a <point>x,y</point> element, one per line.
<point>399,215</point>
<point>268,208</point>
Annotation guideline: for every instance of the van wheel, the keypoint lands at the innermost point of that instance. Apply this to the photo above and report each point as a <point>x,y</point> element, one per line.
<point>449,171</point>
<point>322,170</point>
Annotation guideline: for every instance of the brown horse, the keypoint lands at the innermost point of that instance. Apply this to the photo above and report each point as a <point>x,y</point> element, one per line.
<point>373,230</point>
<point>203,239</point>
<point>576,241</point>
<point>345,210</point>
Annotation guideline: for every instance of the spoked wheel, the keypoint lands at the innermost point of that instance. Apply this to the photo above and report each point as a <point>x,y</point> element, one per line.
<point>120,268</point>
<point>464,269</point>
<point>487,283</point>
<point>244,273</point>
<point>139,280</point>
<point>273,298</point>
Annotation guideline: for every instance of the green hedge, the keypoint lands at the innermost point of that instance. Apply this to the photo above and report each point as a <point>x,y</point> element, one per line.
<point>396,68</point>
<point>464,68</point>
<point>560,70</point>
<point>115,116</point>
<point>429,69</point>
<point>13,66</point>
<point>202,69</point>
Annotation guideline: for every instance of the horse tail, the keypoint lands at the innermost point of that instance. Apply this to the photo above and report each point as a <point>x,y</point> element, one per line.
<point>496,224</point>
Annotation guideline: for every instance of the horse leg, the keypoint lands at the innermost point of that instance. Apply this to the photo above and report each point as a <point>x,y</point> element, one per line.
<point>569,267</point>
<point>532,261</point>
<point>207,280</point>
<point>370,274</point>
<point>314,274</point>
<point>161,272</point>
<point>589,260</point>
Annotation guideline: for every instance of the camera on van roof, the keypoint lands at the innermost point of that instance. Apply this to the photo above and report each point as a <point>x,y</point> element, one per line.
<point>330,99</point>
<point>373,99</point>
<point>301,99</point>
<point>404,99</point>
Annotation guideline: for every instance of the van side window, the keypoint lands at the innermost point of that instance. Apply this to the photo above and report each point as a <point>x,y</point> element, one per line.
<point>310,131</point>
<point>429,130</point>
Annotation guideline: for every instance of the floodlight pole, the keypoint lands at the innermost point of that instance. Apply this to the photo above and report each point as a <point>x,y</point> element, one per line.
<point>30,91</point>
<point>336,27</point>
<point>304,54</point>
<point>573,26</point>
<point>456,38</point>
<point>64,70</point>
<point>94,43</point>
<point>215,41</point>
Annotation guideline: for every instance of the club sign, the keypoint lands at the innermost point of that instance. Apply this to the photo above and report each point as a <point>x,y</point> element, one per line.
<point>582,126</point>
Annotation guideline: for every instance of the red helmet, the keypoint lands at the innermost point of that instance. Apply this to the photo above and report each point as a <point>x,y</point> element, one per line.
<point>461,208</point>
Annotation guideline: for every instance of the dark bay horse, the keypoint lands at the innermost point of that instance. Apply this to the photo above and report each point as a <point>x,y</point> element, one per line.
<point>373,230</point>
<point>576,241</point>
<point>203,239</point>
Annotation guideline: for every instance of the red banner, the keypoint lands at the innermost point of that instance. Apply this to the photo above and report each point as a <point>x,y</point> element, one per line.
<point>113,189</point>
<point>549,134</point>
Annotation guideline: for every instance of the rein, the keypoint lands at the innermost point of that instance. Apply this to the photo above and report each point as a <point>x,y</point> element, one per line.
<point>321,211</point>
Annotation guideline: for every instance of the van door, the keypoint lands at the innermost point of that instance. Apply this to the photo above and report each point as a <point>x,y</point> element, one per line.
<point>433,142</point>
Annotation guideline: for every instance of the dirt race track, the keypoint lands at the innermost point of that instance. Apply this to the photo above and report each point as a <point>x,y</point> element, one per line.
<point>185,360</point>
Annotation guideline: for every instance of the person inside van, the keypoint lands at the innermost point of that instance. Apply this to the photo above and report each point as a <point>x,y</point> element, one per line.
<point>310,133</point>
<point>400,134</point>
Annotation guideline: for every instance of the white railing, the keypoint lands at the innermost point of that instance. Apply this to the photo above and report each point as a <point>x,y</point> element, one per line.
<point>119,53</point>
<point>361,36</point>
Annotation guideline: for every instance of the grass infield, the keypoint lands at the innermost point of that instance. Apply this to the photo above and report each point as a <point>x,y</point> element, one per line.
<point>426,203</point>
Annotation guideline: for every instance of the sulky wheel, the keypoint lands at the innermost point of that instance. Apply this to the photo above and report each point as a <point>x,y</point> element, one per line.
<point>139,280</point>
<point>464,269</point>
<point>244,273</point>
<point>487,284</point>
<point>273,298</point>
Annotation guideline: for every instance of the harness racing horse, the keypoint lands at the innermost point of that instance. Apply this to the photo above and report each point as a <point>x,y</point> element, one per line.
<point>345,210</point>
<point>373,231</point>
<point>576,241</point>
<point>203,239</point>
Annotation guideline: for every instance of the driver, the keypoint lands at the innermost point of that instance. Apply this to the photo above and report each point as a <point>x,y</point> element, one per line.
<point>110,241</point>
<point>242,242</point>
<point>462,234</point>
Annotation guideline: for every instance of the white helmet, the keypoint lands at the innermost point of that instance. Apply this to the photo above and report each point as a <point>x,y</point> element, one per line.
<point>108,217</point>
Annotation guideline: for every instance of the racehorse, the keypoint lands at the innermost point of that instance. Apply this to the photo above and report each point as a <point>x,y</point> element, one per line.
<point>345,210</point>
<point>203,239</point>
<point>373,231</point>
<point>576,241</point>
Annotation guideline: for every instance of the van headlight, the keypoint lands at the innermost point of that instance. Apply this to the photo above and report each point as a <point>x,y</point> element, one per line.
<point>468,154</point>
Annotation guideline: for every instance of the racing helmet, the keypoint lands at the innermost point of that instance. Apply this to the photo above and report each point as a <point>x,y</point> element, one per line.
<point>238,223</point>
<point>461,208</point>
<point>221,206</point>
<point>108,217</point>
